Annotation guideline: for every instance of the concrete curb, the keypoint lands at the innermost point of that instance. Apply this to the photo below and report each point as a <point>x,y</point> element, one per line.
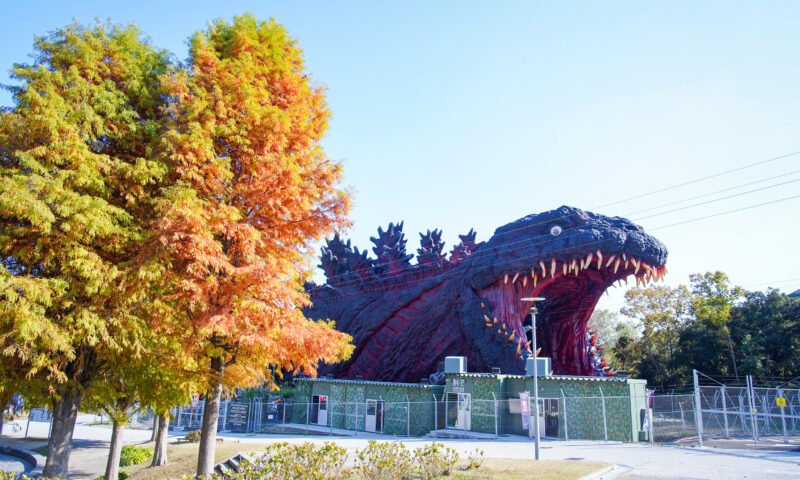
<point>29,458</point>
<point>608,473</point>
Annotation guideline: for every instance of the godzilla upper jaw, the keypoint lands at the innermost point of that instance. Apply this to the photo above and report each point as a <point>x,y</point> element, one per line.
<point>571,288</point>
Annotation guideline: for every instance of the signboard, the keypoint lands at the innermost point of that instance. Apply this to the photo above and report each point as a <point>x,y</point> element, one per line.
<point>524,407</point>
<point>238,414</point>
<point>457,385</point>
<point>39,415</point>
<point>780,401</point>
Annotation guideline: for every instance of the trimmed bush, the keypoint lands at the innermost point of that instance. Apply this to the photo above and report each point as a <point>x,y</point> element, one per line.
<point>133,455</point>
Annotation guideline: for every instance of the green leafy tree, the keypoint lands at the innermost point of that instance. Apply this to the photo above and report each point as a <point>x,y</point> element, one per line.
<point>610,327</point>
<point>663,313</point>
<point>79,169</point>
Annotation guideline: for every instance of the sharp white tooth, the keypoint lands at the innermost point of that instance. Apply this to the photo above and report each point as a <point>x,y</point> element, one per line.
<point>610,260</point>
<point>544,272</point>
<point>646,267</point>
<point>574,264</point>
<point>553,267</point>
<point>515,278</point>
<point>506,279</point>
<point>636,266</point>
<point>525,281</point>
<point>589,258</point>
<point>535,279</point>
<point>533,272</point>
<point>624,257</point>
<point>564,268</point>
<point>599,254</point>
<point>616,266</point>
<point>626,264</point>
<point>486,317</point>
<point>606,292</point>
<point>580,265</point>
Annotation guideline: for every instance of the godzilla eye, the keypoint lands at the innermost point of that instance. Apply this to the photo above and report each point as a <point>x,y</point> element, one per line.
<point>555,230</point>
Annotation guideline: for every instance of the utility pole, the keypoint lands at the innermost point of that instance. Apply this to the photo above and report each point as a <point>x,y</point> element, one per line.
<point>536,434</point>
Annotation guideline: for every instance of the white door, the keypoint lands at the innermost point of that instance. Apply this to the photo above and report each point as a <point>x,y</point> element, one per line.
<point>322,416</point>
<point>463,421</point>
<point>371,418</point>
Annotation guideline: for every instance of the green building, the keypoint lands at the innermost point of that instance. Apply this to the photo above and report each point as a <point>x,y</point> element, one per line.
<point>571,407</point>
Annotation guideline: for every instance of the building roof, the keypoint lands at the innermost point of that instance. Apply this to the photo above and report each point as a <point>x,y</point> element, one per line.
<point>366,382</point>
<point>543,377</point>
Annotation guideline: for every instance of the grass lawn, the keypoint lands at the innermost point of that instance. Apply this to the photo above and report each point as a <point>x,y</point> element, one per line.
<point>183,461</point>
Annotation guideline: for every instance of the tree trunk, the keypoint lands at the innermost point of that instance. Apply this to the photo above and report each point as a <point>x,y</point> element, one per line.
<point>154,435</point>
<point>208,438</point>
<point>160,449</point>
<point>112,466</point>
<point>5,399</point>
<point>65,412</point>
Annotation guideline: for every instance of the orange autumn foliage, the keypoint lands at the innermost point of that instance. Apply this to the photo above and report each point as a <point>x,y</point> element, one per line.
<point>252,188</point>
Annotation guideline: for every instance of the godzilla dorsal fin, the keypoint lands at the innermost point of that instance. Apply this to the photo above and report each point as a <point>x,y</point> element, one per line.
<point>466,247</point>
<point>431,246</point>
<point>390,248</point>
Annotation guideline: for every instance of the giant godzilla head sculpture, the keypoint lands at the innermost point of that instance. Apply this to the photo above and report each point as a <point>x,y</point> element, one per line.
<point>406,318</point>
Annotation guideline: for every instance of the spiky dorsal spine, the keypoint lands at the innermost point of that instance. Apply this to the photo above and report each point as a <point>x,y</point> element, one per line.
<point>334,259</point>
<point>390,248</point>
<point>466,247</point>
<point>431,246</point>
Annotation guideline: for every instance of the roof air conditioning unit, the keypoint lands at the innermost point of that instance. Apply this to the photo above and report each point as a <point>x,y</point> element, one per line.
<point>455,364</point>
<point>543,368</point>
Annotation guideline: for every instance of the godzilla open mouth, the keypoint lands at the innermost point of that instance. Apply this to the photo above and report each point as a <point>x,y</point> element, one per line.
<point>571,290</point>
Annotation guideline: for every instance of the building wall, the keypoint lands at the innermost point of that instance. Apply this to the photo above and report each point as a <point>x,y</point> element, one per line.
<point>408,409</point>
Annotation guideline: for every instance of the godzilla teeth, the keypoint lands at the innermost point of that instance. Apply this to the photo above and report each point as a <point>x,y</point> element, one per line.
<point>484,306</point>
<point>511,338</point>
<point>486,317</point>
<point>516,276</point>
<point>564,268</point>
<point>506,279</point>
<point>589,260</point>
<point>495,321</point>
<point>525,281</point>
<point>610,260</point>
<point>535,280</point>
<point>636,266</point>
<point>553,267</point>
<point>616,266</point>
<point>544,272</point>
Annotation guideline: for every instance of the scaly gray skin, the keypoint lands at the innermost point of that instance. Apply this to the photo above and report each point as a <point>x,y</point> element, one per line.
<point>406,318</point>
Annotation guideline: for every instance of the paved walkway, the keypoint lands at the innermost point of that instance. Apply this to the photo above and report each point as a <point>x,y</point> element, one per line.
<point>636,461</point>
<point>12,464</point>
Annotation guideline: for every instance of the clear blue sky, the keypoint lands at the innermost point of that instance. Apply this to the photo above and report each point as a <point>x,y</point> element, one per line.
<point>463,114</point>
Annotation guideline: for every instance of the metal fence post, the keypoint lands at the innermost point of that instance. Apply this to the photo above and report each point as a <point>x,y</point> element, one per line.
<point>698,410</point>
<point>435,413</point>
<point>564,402</point>
<point>408,417</point>
<point>683,420</point>
<point>605,424</point>
<point>725,410</point>
<point>647,401</point>
<point>494,403</point>
<point>752,404</point>
<point>283,417</point>
<point>783,416</point>
<point>307,416</point>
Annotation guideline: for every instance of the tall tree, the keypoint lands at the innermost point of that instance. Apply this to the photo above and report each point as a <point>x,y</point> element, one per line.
<point>663,312</point>
<point>610,328</point>
<point>713,297</point>
<point>252,189</point>
<point>78,169</point>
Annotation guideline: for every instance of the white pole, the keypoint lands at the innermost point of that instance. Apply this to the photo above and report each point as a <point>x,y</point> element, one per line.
<point>605,424</point>
<point>435,414</point>
<point>535,386</point>
<point>564,402</point>
<point>408,417</point>
<point>494,397</point>
<point>698,411</point>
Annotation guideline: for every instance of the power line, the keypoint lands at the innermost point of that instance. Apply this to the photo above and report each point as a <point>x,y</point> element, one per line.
<point>725,213</point>
<point>411,269</point>
<point>707,202</point>
<point>701,179</point>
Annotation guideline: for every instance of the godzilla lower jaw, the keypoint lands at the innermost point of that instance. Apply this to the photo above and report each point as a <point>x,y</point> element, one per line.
<point>571,290</point>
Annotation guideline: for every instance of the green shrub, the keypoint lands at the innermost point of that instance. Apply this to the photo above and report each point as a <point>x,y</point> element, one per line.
<point>133,455</point>
<point>286,461</point>
<point>122,475</point>
<point>474,459</point>
<point>193,435</point>
<point>385,461</point>
<point>434,460</point>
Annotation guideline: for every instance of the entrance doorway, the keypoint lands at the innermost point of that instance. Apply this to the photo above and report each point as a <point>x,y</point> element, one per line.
<point>373,420</point>
<point>551,418</point>
<point>459,410</point>
<point>319,410</point>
